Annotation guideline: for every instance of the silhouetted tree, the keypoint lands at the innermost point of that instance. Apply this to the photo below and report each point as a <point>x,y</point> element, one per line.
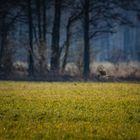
<point>7,23</point>
<point>41,23</point>
<point>101,17</point>
<point>75,16</point>
<point>86,23</point>
<point>30,57</point>
<point>55,49</point>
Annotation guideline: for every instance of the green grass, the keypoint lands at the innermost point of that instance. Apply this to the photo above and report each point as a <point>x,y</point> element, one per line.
<point>73,111</point>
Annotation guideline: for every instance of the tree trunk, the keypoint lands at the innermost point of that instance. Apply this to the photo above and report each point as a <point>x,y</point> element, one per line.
<point>3,38</point>
<point>44,36</point>
<point>68,35</point>
<point>56,37</point>
<point>44,21</point>
<point>39,21</point>
<point>30,57</point>
<point>73,18</point>
<point>38,5</point>
<point>86,70</point>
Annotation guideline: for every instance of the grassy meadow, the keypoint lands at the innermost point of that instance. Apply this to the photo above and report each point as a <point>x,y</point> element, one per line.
<point>69,111</point>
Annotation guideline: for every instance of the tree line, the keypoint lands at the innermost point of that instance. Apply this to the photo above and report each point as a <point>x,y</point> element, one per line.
<point>86,18</point>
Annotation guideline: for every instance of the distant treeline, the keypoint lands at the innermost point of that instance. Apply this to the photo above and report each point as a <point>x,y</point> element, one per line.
<point>46,33</point>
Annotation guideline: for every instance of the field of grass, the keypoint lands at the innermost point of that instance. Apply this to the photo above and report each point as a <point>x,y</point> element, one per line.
<point>73,111</point>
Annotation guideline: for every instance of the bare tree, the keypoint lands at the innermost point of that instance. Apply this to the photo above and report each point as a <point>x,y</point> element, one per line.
<point>73,18</point>
<point>86,23</point>
<point>55,49</point>
<point>41,22</point>
<point>100,17</point>
<point>30,57</point>
<point>7,24</point>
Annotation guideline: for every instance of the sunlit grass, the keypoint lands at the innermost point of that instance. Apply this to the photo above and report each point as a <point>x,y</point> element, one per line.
<point>57,111</point>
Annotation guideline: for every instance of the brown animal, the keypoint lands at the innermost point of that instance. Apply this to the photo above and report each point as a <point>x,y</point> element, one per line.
<point>101,71</point>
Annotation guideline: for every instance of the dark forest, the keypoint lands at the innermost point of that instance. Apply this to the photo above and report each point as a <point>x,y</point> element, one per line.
<point>64,39</point>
